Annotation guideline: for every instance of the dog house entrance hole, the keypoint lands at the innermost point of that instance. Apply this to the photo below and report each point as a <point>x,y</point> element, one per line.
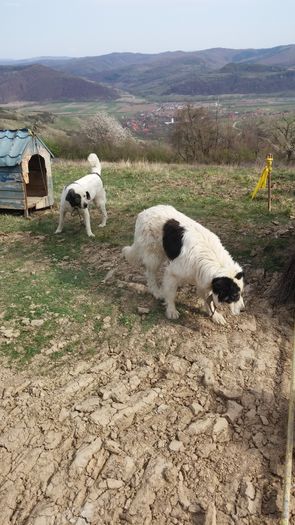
<point>37,186</point>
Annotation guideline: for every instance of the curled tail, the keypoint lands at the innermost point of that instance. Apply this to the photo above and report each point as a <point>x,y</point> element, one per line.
<point>94,163</point>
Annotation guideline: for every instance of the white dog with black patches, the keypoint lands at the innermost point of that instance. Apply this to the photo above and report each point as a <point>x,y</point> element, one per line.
<point>193,255</point>
<point>80,193</point>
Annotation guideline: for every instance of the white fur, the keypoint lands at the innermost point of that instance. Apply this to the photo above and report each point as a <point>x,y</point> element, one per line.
<point>202,259</point>
<point>92,184</point>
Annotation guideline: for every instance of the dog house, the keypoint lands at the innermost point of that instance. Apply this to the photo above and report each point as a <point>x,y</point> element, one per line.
<point>25,171</point>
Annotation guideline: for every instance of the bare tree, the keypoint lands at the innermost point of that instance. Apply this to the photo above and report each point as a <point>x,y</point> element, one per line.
<point>252,136</point>
<point>195,134</point>
<point>281,135</point>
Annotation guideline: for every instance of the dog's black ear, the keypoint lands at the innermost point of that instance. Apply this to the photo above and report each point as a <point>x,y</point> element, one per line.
<point>219,284</point>
<point>88,195</point>
<point>240,275</point>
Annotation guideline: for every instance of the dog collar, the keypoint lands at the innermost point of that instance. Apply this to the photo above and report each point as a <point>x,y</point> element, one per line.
<point>98,174</point>
<point>211,304</point>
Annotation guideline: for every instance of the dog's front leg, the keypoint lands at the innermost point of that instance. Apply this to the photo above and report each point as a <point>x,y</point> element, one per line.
<point>212,312</point>
<point>169,288</point>
<point>87,222</point>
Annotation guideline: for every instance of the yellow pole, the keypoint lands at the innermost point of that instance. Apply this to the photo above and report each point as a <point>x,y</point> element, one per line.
<point>269,160</point>
<point>265,175</point>
<point>289,448</point>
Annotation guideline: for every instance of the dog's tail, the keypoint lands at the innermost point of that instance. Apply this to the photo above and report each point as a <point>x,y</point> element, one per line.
<point>94,163</point>
<point>131,255</point>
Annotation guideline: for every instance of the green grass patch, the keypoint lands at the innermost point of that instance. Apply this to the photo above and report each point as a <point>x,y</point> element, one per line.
<point>59,278</point>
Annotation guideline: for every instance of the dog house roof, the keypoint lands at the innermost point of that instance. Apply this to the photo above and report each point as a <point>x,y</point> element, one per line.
<point>13,143</point>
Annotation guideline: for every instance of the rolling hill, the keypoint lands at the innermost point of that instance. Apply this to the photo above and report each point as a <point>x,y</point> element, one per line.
<point>214,71</point>
<point>36,82</point>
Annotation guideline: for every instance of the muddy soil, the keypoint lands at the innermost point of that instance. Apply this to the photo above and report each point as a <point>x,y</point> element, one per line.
<point>180,423</point>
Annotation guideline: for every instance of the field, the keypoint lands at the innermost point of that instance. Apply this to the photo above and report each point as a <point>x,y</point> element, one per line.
<point>112,414</point>
<point>132,105</point>
<point>69,116</point>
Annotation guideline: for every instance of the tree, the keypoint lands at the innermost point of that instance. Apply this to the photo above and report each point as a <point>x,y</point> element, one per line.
<point>196,133</point>
<point>103,132</point>
<point>252,136</point>
<point>281,136</point>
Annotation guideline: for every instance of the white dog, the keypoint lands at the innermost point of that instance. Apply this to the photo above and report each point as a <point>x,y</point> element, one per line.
<point>193,255</point>
<point>79,194</point>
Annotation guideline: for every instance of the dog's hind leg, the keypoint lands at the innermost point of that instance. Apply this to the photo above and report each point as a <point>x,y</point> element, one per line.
<point>87,222</point>
<point>169,289</point>
<point>152,283</point>
<point>62,214</point>
<point>135,255</point>
<point>152,265</point>
<point>131,254</point>
<point>101,203</point>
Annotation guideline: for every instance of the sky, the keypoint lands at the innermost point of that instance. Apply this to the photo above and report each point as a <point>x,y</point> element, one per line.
<point>75,28</point>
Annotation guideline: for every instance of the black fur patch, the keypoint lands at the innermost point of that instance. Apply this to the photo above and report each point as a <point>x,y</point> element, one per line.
<point>88,197</point>
<point>172,238</point>
<point>226,290</point>
<point>73,198</point>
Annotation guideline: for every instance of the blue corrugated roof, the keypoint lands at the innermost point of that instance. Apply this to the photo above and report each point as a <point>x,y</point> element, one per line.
<point>13,143</point>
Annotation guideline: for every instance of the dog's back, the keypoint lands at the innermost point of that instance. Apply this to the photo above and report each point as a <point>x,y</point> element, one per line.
<point>91,181</point>
<point>197,240</point>
<point>150,223</point>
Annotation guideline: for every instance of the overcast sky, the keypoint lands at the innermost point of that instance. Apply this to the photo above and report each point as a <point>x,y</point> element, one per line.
<point>31,28</point>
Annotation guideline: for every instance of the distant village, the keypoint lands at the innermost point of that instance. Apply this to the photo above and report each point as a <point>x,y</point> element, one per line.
<point>154,122</point>
<point>159,120</point>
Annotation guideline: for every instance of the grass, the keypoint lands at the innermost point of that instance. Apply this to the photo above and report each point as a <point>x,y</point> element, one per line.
<point>59,280</point>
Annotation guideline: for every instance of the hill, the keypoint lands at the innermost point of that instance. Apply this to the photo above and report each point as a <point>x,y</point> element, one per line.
<point>36,82</point>
<point>205,73</point>
<point>237,80</point>
<point>214,71</point>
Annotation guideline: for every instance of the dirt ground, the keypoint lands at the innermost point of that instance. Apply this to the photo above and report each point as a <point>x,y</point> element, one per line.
<point>180,423</point>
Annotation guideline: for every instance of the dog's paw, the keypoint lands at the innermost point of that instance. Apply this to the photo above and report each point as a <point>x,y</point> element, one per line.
<point>172,313</point>
<point>102,225</point>
<point>218,318</point>
<point>91,235</point>
<point>57,231</point>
